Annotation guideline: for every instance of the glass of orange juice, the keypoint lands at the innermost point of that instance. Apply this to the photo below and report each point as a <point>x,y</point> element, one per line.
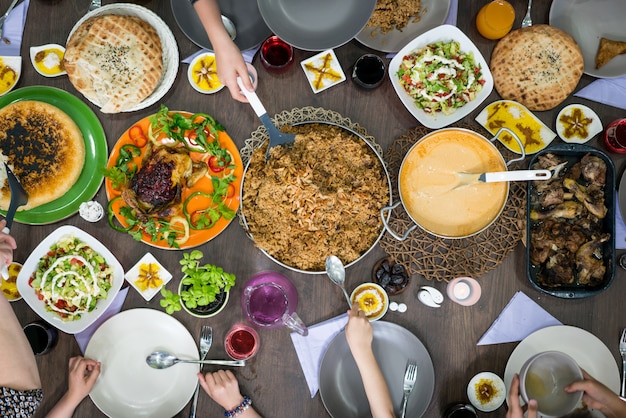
<point>495,19</point>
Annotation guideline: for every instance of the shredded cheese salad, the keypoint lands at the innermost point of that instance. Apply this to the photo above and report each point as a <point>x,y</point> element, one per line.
<point>71,278</point>
<point>440,78</point>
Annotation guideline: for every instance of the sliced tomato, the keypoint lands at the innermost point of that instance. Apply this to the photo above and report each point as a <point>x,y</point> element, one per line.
<point>137,136</point>
<point>216,165</point>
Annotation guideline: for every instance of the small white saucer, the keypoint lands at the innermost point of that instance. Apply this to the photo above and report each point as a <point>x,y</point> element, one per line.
<point>577,124</point>
<point>464,291</point>
<point>496,387</point>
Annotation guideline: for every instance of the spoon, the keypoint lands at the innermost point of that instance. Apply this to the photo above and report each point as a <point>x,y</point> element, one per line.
<point>230,27</point>
<point>527,21</point>
<point>163,360</point>
<point>337,273</point>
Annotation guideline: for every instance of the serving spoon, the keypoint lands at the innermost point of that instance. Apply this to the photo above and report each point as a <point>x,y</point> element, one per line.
<point>230,27</point>
<point>337,273</point>
<point>466,179</point>
<point>163,360</point>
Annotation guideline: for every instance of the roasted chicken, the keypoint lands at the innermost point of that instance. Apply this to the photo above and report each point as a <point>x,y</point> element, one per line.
<point>566,235</point>
<point>157,187</point>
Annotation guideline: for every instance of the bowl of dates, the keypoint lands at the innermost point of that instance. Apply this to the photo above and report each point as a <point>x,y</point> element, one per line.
<point>392,276</point>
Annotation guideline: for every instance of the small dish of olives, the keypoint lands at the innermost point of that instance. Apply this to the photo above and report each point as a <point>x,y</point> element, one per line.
<point>392,276</point>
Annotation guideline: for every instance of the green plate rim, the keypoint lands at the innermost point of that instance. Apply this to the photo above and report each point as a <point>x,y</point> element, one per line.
<point>96,153</point>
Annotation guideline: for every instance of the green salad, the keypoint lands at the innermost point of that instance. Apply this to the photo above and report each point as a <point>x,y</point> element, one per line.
<point>440,77</point>
<point>71,278</point>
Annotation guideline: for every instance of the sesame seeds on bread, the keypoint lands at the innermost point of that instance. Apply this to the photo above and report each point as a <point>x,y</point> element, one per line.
<point>538,66</point>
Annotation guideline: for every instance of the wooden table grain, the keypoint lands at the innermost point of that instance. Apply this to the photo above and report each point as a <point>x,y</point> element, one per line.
<point>274,379</point>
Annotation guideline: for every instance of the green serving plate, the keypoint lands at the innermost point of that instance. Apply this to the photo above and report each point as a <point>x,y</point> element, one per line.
<point>96,154</point>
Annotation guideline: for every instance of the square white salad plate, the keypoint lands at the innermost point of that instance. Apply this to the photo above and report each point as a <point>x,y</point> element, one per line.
<point>443,33</point>
<point>29,295</point>
<point>133,274</point>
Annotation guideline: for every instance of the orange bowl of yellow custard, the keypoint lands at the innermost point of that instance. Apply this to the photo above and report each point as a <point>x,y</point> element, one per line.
<point>429,183</point>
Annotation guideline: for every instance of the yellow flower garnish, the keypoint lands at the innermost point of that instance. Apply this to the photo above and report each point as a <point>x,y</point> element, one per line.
<point>148,277</point>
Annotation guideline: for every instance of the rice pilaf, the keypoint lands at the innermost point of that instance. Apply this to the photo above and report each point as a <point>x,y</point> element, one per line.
<point>318,197</point>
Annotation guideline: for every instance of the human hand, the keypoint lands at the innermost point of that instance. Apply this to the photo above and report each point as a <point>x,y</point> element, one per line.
<point>598,396</point>
<point>222,387</point>
<point>83,374</point>
<point>359,332</point>
<point>7,245</point>
<point>515,409</point>
<point>230,65</point>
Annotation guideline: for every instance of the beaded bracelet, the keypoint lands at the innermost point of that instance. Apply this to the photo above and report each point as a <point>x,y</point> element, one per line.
<point>245,404</point>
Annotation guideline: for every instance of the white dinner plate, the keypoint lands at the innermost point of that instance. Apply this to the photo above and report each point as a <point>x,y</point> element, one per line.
<point>443,33</point>
<point>168,45</point>
<point>587,21</point>
<point>30,265</point>
<point>589,352</point>
<point>127,387</point>
<point>434,13</point>
<point>340,383</point>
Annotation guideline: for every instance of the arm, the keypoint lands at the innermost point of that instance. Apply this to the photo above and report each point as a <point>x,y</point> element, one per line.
<point>223,388</point>
<point>18,368</point>
<point>83,374</point>
<point>228,58</point>
<point>599,397</point>
<point>515,409</point>
<point>359,334</point>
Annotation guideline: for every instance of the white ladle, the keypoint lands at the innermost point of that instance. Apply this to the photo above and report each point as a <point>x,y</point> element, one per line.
<point>337,273</point>
<point>467,179</point>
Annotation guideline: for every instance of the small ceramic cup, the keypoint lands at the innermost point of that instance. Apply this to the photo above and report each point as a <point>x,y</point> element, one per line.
<point>41,336</point>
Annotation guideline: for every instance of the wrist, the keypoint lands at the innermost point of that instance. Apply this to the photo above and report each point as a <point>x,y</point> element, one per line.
<point>239,409</point>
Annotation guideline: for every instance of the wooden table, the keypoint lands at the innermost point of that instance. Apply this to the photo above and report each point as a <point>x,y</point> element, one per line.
<point>274,378</point>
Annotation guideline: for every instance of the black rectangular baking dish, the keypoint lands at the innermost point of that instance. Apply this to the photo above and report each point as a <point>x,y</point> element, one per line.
<point>573,153</point>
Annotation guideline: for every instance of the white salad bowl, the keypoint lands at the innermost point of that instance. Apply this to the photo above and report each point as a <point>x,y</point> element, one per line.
<point>443,33</point>
<point>30,266</point>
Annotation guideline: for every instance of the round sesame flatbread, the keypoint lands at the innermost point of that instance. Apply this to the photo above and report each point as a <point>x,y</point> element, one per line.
<point>43,147</point>
<point>538,66</point>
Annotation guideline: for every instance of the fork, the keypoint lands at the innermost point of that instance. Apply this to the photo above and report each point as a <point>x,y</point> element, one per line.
<point>206,339</point>
<point>527,21</point>
<point>410,376</point>
<point>94,5</point>
<point>622,351</point>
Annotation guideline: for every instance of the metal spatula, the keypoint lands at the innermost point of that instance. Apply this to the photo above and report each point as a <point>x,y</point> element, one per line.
<point>19,197</point>
<point>276,137</point>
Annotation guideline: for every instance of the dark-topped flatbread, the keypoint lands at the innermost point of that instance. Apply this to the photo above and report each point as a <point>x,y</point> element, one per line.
<point>44,148</point>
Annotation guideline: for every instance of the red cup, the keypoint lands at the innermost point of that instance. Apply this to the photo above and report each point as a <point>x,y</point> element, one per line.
<point>276,55</point>
<point>615,136</point>
<point>242,342</point>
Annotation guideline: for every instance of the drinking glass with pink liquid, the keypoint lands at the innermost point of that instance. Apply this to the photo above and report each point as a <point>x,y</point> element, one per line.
<point>241,342</point>
<point>270,300</point>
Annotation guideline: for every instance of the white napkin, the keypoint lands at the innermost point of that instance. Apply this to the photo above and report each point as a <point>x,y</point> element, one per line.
<point>610,91</point>
<point>248,54</point>
<point>519,318</point>
<point>83,337</point>
<point>620,228</point>
<point>311,348</point>
<point>452,13</point>
<point>13,29</point>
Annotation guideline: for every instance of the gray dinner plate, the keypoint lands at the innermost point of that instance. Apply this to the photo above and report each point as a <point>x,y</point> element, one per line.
<point>340,383</point>
<point>435,14</point>
<point>587,21</point>
<point>251,28</point>
<point>316,25</point>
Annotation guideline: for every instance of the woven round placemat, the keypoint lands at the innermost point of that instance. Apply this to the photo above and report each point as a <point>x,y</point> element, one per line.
<point>444,259</point>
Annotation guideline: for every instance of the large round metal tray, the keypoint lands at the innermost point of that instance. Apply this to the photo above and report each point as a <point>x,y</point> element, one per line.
<point>301,116</point>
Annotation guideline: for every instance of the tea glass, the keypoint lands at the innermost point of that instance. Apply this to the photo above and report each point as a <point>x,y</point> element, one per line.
<point>241,342</point>
<point>615,136</point>
<point>368,71</point>
<point>41,336</point>
<point>276,55</point>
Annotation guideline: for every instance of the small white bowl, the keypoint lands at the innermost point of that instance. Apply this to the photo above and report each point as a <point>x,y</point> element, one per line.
<point>372,292</point>
<point>49,63</point>
<point>543,377</point>
<point>577,124</point>
<point>486,391</point>
<point>12,75</point>
<point>133,274</point>
<point>200,66</point>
